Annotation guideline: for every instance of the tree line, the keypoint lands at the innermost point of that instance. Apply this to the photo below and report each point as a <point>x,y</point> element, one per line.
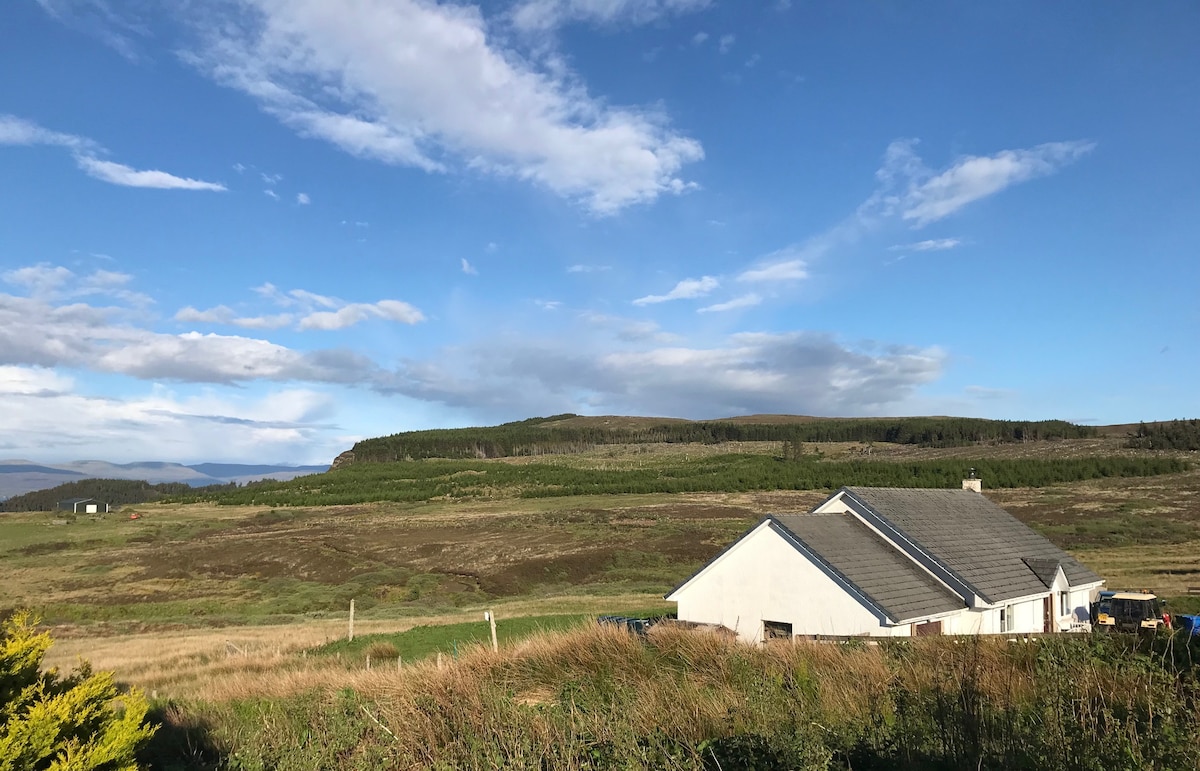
<point>541,436</point>
<point>115,492</point>
<point>414,481</point>
<point>1175,435</point>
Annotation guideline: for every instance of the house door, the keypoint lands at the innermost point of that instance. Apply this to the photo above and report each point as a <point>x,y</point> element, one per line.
<point>928,628</point>
<point>1048,613</point>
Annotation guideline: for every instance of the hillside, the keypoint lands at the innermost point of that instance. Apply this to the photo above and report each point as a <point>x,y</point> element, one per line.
<point>115,492</point>
<point>21,476</point>
<point>565,434</point>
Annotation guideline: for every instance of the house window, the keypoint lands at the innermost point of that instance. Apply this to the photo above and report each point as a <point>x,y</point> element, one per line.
<point>776,630</point>
<point>1064,607</point>
<point>1008,622</point>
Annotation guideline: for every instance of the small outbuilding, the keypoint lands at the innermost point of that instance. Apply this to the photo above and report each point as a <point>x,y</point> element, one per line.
<point>84,506</point>
<point>888,562</point>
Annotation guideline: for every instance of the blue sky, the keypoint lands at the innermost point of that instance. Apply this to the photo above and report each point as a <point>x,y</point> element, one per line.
<point>258,230</point>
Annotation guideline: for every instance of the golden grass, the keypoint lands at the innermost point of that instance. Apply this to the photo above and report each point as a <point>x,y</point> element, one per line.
<point>185,663</point>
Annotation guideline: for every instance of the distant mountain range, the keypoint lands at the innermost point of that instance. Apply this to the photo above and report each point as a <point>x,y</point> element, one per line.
<point>21,476</point>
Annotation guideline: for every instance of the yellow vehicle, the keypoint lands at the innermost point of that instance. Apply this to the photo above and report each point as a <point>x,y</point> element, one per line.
<point>1138,612</point>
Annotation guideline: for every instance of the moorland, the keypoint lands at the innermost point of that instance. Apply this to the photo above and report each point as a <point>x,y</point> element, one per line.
<point>229,606</point>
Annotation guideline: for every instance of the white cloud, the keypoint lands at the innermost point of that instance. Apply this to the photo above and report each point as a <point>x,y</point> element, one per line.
<point>468,268</point>
<point>907,190</point>
<point>725,44</point>
<point>339,315</point>
<point>41,280</point>
<point>217,315</point>
<point>349,315</point>
<point>303,199</point>
<point>798,373</point>
<point>542,15</point>
<point>417,83</point>
<point>17,131</point>
<point>925,196</point>
<point>98,19</point>
<point>276,321</point>
<point>775,269</point>
<point>588,268</point>
<point>312,298</point>
<point>54,282</point>
<point>699,38</point>
<point>744,301</point>
<point>270,179</point>
<point>684,290</point>
<point>548,305</point>
<point>51,418</point>
<point>271,194</point>
<point>929,245</point>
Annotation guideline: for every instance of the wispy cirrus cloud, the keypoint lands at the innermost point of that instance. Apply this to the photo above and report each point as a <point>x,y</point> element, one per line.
<point>98,19</point>
<point>919,195</point>
<point>908,191</point>
<point>542,15</point>
<point>424,84</point>
<point>87,155</point>
<point>779,266</point>
<point>742,301</point>
<point>929,245</point>
<point>685,290</point>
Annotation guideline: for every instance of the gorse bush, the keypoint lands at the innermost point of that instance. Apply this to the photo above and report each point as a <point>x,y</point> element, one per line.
<point>70,723</point>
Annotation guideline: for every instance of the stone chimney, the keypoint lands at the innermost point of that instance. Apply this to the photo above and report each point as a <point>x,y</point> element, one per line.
<point>973,483</point>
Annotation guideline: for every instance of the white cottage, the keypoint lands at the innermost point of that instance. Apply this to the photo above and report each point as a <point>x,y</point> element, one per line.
<point>887,562</point>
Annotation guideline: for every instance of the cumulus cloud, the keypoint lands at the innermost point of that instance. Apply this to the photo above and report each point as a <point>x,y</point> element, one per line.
<point>349,315</point>
<point>422,84</point>
<point>684,290</point>
<point>542,15</point>
<point>87,155</point>
<point>218,315</point>
<point>725,44</point>
<point>51,417</point>
<point>798,372</point>
<point>55,282</point>
<point>337,313</point>
<point>743,301</point>
<point>303,199</point>
<point>468,268</point>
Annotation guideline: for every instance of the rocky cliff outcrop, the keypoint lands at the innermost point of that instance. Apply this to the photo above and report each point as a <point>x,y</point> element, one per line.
<point>345,459</point>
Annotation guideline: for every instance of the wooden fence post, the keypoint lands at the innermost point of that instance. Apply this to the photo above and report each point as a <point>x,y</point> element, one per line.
<point>351,637</point>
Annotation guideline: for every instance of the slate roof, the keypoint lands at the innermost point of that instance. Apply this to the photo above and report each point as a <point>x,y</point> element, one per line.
<point>975,539</point>
<point>891,580</point>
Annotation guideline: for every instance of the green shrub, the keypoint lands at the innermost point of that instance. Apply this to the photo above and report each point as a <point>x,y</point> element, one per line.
<point>71,723</point>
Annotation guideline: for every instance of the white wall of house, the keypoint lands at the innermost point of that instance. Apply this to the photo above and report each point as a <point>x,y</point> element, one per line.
<point>764,577</point>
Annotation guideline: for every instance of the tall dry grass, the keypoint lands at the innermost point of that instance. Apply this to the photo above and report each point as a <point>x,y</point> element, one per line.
<point>602,698</point>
